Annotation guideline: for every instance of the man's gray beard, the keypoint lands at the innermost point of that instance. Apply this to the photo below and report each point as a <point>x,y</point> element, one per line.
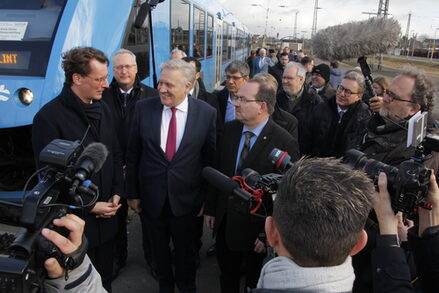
<point>288,90</point>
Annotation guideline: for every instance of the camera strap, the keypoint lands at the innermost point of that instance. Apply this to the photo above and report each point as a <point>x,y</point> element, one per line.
<point>73,260</point>
<point>255,193</point>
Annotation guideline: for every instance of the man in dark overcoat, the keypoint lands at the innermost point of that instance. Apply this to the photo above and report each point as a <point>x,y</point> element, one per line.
<point>78,114</point>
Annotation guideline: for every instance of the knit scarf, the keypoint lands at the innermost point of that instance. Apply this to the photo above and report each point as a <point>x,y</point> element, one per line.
<point>283,273</point>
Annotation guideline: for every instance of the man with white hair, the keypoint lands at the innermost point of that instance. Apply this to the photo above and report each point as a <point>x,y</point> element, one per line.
<point>172,138</point>
<point>177,54</point>
<point>261,63</point>
<point>297,100</point>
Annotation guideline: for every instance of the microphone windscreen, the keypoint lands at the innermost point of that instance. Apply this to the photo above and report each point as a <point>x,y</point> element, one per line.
<point>356,39</point>
<point>95,152</point>
<point>219,180</point>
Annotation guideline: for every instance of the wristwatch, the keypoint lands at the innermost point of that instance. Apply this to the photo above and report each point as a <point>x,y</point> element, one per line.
<point>388,240</point>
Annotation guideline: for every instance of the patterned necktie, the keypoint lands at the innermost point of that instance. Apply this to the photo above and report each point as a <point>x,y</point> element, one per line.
<point>245,150</point>
<point>171,142</point>
<point>125,98</point>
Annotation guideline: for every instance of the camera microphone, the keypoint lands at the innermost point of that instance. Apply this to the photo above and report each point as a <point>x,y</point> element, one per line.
<point>281,159</point>
<point>90,161</point>
<point>224,183</point>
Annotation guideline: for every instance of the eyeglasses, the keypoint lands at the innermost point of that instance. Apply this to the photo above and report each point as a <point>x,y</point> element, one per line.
<point>233,77</point>
<point>394,97</point>
<point>243,100</point>
<point>122,67</point>
<point>100,80</point>
<point>341,89</point>
<point>288,78</point>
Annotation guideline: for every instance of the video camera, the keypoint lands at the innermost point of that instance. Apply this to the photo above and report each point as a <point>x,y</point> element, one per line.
<point>64,185</point>
<point>253,188</point>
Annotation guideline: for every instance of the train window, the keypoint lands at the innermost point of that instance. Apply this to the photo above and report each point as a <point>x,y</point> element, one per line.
<point>27,30</point>
<point>137,41</point>
<point>180,25</point>
<point>226,32</point>
<point>199,30</point>
<point>209,36</point>
<point>230,43</point>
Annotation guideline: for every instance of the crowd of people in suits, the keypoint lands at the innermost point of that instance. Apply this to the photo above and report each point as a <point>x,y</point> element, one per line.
<point>160,140</point>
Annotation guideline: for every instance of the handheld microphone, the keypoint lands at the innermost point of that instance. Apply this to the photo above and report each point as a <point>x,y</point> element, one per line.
<point>281,159</point>
<point>224,183</point>
<point>90,161</point>
<point>356,39</point>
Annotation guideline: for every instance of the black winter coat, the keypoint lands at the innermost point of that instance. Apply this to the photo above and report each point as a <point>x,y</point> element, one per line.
<point>64,118</point>
<point>123,113</point>
<point>302,111</point>
<point>390,269</point>
<point>332,136</point>
<point>277,71</point>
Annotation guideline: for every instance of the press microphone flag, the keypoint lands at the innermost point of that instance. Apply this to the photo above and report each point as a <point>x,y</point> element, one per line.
<point>356,39</point>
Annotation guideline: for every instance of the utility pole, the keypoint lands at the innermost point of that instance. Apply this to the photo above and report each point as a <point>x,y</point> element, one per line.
<point>314,21</point>
<point>407,31</point>
<point>383,8</point>
<point>295,26</point>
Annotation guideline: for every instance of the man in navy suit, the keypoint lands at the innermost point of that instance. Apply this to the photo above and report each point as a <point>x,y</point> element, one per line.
<point>245,143</point>
<point>171,140</point>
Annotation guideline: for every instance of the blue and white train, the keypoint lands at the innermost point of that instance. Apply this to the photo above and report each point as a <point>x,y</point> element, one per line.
<point>35,33</point>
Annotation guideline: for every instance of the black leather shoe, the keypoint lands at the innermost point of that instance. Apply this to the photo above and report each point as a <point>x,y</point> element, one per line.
<point>211,250</point>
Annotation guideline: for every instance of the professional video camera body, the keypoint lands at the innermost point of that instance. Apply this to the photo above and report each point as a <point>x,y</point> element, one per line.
<point>256,191</point>
<point>63,186</point>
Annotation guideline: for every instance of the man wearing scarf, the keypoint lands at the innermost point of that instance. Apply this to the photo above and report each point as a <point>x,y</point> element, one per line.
<point>78,114</point>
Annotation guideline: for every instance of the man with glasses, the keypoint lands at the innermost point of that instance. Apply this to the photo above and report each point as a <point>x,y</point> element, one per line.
<point>237,74</point>
<point>297,100</point>
<point>339,122</point>
<point>78,114</point>
<point>409,92</point>
<point>246,143</point>
<point>122,95</point>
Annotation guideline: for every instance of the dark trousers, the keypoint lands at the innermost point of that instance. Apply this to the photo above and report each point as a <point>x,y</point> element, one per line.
<point>230,263</point>
<point>181,230</point>
<point>121,245</point>
<point>102,258</point>
<point>146,241</point>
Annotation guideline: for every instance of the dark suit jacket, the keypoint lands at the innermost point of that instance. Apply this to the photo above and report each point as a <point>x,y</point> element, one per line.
<point>151,177</point>
<point>242,230</point>
<point>123,114</point>
<point>222,97</point>
<point>64,118</point>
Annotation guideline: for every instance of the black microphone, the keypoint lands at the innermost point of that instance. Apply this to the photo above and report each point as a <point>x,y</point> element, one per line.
<point>356,39</point>
<point>90,161</point>
<point>281,159</point>
<point>224,183</point>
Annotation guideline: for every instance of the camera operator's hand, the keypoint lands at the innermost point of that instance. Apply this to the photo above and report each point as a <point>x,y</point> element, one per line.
<point>403,227</point>
<point>375,103</point>
<point>259,246</point>
<point>429,218</point>
<point>387,219</point>
<point>134,204</point>
<point>209,221</point>
<point>66,245</point>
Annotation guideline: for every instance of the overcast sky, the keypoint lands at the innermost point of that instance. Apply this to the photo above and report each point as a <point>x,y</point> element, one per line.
<point>424,20</point>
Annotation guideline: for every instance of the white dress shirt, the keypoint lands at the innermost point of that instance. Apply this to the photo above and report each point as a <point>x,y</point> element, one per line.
<point>181,115</point>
